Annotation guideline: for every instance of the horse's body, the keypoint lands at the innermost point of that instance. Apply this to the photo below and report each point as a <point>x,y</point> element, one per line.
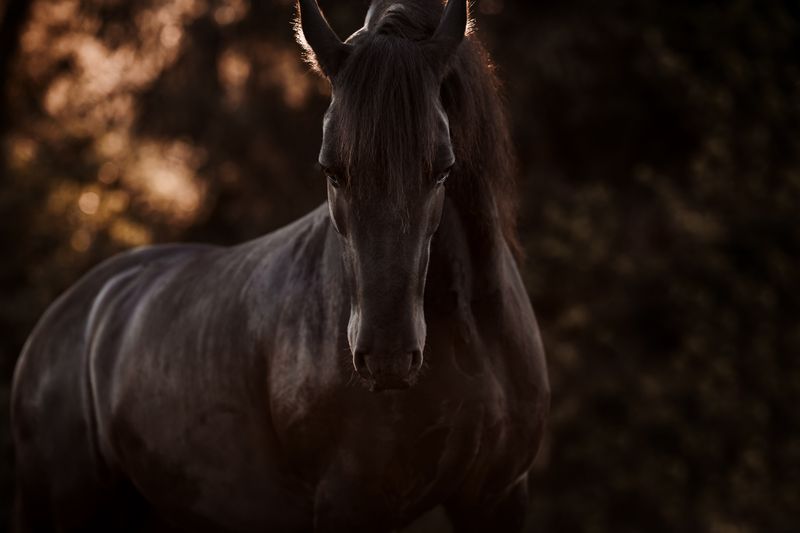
<point>202,388</point>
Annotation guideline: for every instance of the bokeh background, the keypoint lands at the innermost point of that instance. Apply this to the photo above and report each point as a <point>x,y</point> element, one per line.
<point>659,162</point>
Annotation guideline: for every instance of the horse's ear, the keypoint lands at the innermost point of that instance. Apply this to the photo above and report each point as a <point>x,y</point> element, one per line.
<point>324,50</point>
<point>451,31</point>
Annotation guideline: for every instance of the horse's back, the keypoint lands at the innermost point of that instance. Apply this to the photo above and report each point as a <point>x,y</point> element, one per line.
<point>61,477</point>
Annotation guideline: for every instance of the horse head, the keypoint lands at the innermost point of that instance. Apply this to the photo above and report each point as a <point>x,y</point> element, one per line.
<point>386,154</point>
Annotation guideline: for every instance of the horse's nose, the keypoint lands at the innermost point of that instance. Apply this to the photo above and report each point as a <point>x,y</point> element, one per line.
<point>386,371</point>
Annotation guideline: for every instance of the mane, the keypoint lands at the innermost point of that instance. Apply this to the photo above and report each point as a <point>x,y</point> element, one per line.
<point>485,186</point>
<point>385,121</point>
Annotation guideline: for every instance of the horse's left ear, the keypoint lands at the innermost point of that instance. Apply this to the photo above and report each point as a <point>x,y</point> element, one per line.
<point>324,50</point>
<point>451,31</point>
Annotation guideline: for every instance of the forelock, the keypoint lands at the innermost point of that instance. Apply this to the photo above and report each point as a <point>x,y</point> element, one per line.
<point>385,116</point>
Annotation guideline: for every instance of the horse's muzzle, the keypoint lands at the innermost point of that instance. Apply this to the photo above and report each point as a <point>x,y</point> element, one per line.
<point>388,371</point>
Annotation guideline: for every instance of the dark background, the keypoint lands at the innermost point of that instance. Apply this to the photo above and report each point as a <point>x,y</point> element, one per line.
<point>660,184</point>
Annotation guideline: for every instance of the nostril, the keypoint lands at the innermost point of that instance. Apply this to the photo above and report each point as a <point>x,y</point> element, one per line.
<point>416,360</point>
<point>360,364</point>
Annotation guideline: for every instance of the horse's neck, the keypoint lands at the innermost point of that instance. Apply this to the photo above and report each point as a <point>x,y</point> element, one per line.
<point>466,256</point>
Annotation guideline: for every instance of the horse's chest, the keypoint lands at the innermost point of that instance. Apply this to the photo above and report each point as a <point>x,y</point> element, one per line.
<point>409,455</point>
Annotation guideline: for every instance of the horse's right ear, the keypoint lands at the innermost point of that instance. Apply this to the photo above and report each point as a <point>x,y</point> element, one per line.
<point>451,31</point>
<point>324,50</point>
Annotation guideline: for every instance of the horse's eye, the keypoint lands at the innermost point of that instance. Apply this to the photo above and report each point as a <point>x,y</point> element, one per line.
<point>332,178</point>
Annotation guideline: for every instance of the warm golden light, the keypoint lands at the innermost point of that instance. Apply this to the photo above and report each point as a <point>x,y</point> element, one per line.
<point>81,240</point>
<point>164,177</point>
<point>234,71</point>
<point>231,11</point>
<point>89,202</point>
<point>278,67</point>
<point>22,150</point>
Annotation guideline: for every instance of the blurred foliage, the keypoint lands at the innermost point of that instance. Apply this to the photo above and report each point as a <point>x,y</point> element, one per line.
<point>659,152</point>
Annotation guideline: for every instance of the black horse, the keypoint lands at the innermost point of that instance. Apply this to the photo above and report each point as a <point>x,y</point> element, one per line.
<point>200,388</point>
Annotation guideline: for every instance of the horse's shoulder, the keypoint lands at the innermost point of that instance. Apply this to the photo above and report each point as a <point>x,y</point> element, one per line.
<point>282,262</point>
